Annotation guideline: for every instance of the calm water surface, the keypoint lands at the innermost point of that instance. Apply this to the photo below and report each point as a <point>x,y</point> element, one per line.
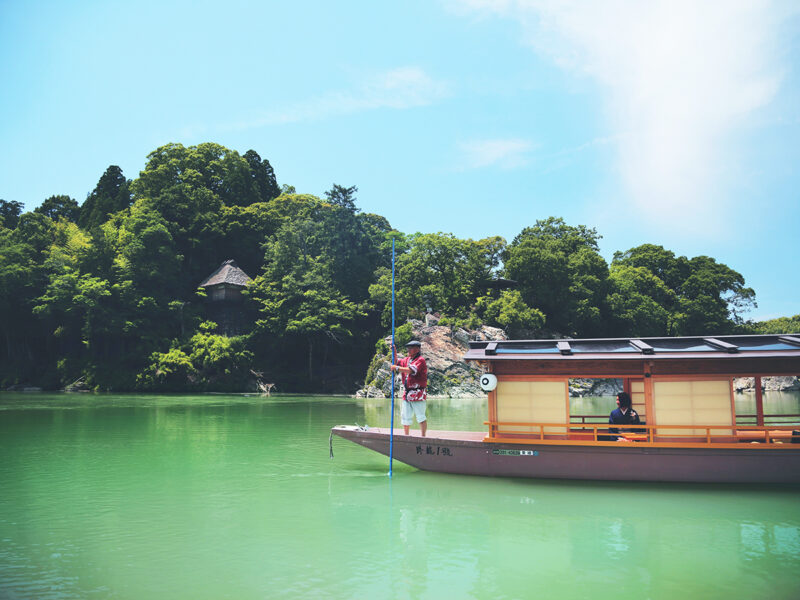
<point>209,496</point>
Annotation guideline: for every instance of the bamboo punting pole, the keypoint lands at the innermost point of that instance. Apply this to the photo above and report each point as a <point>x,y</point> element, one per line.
<point>394,358</point>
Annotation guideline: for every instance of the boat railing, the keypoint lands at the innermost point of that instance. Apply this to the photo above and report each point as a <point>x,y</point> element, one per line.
<point>776,418</point>
<point>663,433</point>
<point>741,419</point>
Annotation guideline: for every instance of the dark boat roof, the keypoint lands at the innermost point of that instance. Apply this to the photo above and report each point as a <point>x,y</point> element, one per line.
<point>779,353</point>
<point>622,348</point>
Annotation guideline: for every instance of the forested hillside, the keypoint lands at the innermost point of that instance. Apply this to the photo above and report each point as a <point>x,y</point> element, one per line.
<point>107,292</point>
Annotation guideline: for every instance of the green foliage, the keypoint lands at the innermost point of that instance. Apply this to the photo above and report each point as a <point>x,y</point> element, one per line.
<point>109,292</point>
<point>10,212</point>
<point>669,295</point>
<point>168,371</point>
<point>436,271</point>
<point>640,302</point>
<point>59,207</point>
<point>263,176</point>
<point>220,362</point>
<point>403,334</point>
<point>300,293</point>
<point>779,325</point>
<point>208,361</point>
<point>344,197</point>
<point>110,195</point>
<point>510,312</point>
<point>560,273</point>
<point>146,252</point>
<point>471,321</point>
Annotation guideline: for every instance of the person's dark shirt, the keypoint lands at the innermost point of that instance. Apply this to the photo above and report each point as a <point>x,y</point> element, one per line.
<point>617,417</point>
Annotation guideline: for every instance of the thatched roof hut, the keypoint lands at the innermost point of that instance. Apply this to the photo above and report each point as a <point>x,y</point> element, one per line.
<point>226,283</point>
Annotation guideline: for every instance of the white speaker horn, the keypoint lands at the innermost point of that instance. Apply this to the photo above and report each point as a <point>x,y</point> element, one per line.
<point>488,382</point>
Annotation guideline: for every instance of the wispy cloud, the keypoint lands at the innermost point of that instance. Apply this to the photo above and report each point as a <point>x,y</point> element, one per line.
<point>400,88</point>
<point>503,153</point>
<point>679,77</point>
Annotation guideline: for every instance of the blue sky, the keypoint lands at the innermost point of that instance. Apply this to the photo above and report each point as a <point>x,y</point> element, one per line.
<point>675,123</point>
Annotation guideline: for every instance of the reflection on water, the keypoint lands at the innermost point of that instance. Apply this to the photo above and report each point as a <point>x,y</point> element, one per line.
<point>232,496</point>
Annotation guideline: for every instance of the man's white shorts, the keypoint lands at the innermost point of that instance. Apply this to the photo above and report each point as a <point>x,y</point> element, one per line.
<point>411,410</point>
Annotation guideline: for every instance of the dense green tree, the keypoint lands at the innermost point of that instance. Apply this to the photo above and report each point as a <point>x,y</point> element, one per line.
<point>146,252</point>
<point>59,207</point>
<point>713,298</point>
<point>183,185</point>
<point>112,299</point>
<point>168,371</point>
<point>561,273</point>
<point>208,361</point>
<point>443,273</point>
<point>10,212</point>
<point>640,303</point>
<point>435,271</point>
<point>74,306</point>
<point>779,325</point>
<point>510,312</point>
<point>344,197</point>
<point>699,295</point>
<point>670,269</point>
<point>190,186</point>
<point>266,184</point>
<point>244,232</point>
<point>21,280</point>
<point>111,194</point>
<point>35,230</point>
<point>297,292</point>
<point>219,361</point>
<point>178,171</point>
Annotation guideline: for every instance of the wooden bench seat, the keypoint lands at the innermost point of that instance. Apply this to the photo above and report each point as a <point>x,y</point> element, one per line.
<point>783,435</point>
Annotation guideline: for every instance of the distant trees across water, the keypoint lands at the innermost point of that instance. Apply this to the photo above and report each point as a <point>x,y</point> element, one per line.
<point>106,293</point>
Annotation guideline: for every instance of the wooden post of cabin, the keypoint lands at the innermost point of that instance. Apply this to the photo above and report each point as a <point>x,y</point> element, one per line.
<point>759,402</point>
<point>648,401</point>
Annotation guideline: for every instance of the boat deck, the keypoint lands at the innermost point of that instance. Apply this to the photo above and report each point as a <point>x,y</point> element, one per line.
<point>469,453</point>
<point>577,435</point>
<point>458,436</point>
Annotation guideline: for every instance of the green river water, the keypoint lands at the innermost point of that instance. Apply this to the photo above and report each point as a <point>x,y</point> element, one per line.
<point>217,496</point>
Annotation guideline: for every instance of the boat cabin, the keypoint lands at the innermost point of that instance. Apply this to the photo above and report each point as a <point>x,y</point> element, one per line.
<point>682,388</point>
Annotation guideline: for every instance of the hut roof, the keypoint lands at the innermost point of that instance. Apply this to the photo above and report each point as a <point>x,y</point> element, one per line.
<point>227,273</point>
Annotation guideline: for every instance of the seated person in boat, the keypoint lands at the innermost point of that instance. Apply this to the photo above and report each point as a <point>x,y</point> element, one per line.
<point>622,415</point>
<point>414,370</point>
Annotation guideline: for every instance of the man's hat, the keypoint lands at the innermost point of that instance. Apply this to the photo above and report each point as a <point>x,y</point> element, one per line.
<point>413,343</point>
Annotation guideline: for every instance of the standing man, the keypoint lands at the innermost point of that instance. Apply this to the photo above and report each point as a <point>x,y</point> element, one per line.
<point>414,371</point>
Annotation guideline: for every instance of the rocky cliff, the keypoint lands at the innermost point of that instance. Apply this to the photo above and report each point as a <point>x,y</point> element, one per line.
<point>444,349</point>
<point>768,384</point>
<point>448,374</point>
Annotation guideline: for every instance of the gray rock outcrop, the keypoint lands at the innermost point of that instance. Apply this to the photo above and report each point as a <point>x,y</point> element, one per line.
<point>768,384</point>
<point>444,348</point>
<point>448,374</point>
<point>594,387</point>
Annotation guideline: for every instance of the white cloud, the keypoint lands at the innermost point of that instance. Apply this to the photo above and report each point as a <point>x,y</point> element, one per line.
<point>679,78</point>
<point>506,154</point>
<point>400,88</point>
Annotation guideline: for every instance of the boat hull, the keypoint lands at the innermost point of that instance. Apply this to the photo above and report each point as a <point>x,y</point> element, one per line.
<point>466,453</point>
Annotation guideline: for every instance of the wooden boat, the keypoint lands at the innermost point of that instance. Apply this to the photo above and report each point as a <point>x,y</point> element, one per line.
<point>682,387</point>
